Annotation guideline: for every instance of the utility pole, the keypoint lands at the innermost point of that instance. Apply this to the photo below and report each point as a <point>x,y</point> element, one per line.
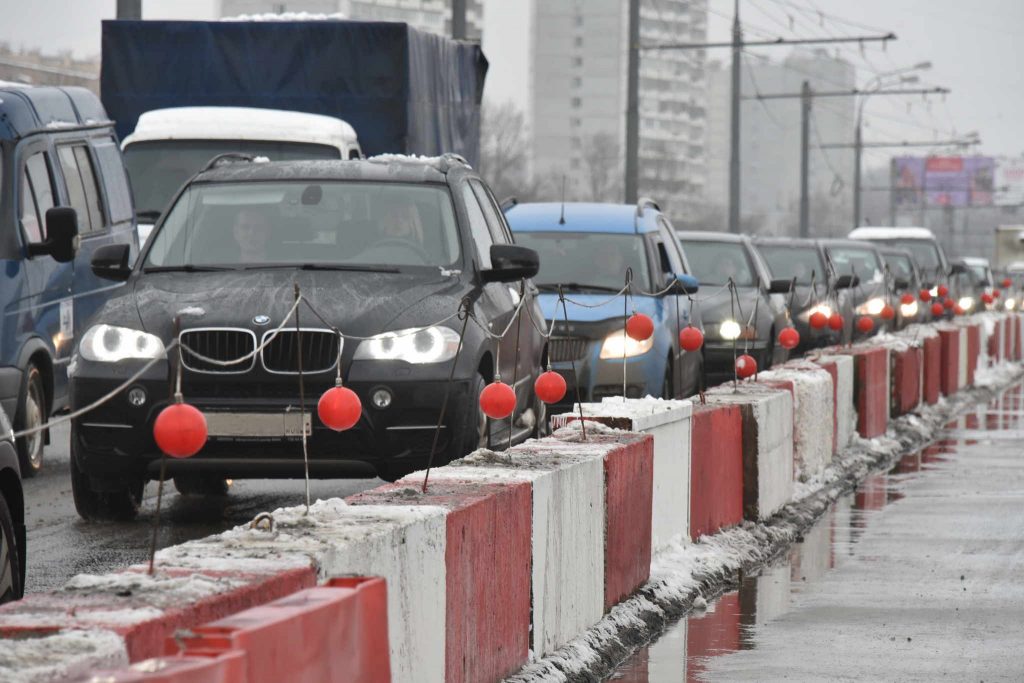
<point>737,45</point>
<point>805,158</point>
<point>459,19</point>
<point>129,9</point>
<point>633,105</point>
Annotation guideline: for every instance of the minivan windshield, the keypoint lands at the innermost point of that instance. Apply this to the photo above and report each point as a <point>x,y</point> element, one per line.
<point>157,168</point>
<point>714,263</point>
<point>787,261</point>
<point>339,223</point>
<point>584,260</point>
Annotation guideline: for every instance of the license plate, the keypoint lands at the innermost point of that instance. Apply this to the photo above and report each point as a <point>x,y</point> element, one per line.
<point>258,425</point>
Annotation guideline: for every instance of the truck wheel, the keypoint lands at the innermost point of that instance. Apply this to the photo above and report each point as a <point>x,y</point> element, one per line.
<point>120,504</point>
<point>10,565</point>
<point>197,485</point>
<point>31,414</point>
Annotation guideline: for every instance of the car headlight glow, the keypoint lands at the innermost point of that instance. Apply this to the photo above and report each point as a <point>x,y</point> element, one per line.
<point>1010,304</point>
<point>908,310</point>
<point>820,308</point>
<point>414,345</point>
<point>934,291</point>
<point>110,344</point>
<point>966,302</point>
<point>618,345</point>
<point>730,330</point>
<point>872,306</point>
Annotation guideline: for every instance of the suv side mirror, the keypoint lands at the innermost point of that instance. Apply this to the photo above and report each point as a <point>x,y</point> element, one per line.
<point>510,262</point>
<point>687,284</point>
<point>780,286</point>
<point>61,235</point>
<point>900,283</point>
<point>110,262</point>
<point>847,281</point>
<point>957,268</point>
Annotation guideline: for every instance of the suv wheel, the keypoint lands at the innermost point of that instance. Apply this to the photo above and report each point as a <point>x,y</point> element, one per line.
<point>10,565</point>
<point>121,504</point>
<point>31,414</point>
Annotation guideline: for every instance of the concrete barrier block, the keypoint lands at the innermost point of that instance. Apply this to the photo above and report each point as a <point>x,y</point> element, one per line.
<point>871,389</point>
<point>669,423</point>
<point>628,492</point>
<point>767,445</point>
<point>716,500</point>
<point>813,415</point>
<point>487,570</point>
<point>975,349</point>
<point>949,370</point>
<point>907,374</point>
<point>961,378</point>
<point>994,344</point>
<point>841,367</point>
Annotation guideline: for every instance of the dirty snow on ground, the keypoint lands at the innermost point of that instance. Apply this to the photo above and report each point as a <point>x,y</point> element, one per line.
<point>31,660</point>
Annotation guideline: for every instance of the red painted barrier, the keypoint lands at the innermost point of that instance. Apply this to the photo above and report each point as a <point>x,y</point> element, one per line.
<point>228,666</point>
<point>949,373</point>
<point>833,371</point>
<point>131,616</point>
<point>716,469</point>
<point>629,487</point>
<point>1015,324</point>
<point>1007,351</point>
<point>973,351</point>
<point>487,563</point>
<point>337,632</point>
<point>871,389</point>
<point>995,343</point>
<point>932,383</point>
<point>906,380</point>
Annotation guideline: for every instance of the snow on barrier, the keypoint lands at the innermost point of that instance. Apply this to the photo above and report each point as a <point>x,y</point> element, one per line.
<point>949,371</point>
<point>813,414</point>
<point>767,429</point>
<point>716,484</point>
<point>841,368</point>
<point>669,423</point>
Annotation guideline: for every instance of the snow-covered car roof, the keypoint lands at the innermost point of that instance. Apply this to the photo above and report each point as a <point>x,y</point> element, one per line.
<point>241,123</point>
<point>891,233</point>
<point>975,261</point>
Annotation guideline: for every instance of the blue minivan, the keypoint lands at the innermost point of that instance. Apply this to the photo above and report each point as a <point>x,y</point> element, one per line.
<point>64,193</point>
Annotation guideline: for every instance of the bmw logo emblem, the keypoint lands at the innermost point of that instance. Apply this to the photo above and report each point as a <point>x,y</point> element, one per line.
<point>261,320</point>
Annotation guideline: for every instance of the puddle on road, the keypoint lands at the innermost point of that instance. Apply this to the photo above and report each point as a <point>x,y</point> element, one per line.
<point>683,651</point>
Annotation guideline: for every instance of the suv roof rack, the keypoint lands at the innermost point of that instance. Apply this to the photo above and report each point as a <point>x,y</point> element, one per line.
<point>508,203</point>
<point>643,203</point>
<point>228,157</point>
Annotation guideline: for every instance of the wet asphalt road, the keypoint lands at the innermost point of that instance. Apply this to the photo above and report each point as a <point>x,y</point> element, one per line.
<point>61,545</point>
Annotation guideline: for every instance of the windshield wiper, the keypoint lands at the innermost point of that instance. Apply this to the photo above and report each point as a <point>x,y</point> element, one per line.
<point>324,266</point>
<point>576,286</point>
<point>186,268</point>
<point>152,214</point>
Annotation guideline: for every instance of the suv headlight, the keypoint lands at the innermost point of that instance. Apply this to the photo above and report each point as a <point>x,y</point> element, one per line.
<point>908,310</point>
<point>618,345</point>
<point>417,345</point>
<point>871,306</point>
<point>966,302</point>
<point>109,344</point>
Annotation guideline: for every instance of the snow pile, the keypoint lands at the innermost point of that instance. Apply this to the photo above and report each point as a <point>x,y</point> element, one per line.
<point>813,408</point>
<point>31,660</point>
<point>288,16</point>
<point>160,590</point>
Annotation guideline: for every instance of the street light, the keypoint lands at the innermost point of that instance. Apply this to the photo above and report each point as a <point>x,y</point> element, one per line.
<point>870,88</point>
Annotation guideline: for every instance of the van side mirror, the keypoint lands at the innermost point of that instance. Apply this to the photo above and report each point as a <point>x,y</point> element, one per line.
<point>110,262</point>
<point>957,268</point>
<point>847,281</point>
<point>510,262</point>
<point>687,284</point>
<point>780,286</point>
<point>61,235</point>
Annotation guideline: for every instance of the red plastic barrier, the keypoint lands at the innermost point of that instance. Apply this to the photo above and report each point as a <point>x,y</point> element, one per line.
<point>871,389</point>
<point>487,561</point>
<point>337,632</point>
<point>228,666</point>
<point>906,380</point>
<point>833,371</point>
<point>629,488</point>
<point>932,383</point>
<point>949,372</point>
<point>716,468</point>
<point>973,351</point>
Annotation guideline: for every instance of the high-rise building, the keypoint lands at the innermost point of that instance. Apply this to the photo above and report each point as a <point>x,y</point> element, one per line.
<point>578,104</point>
<point>434,16</point>
<point>770,138</point>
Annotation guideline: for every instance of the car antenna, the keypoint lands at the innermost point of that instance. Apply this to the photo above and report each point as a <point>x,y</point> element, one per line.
<point>561,219</point>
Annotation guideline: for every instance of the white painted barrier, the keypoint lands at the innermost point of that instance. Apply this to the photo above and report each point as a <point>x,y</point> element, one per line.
<point>813,410</point>
<point>846,413</point>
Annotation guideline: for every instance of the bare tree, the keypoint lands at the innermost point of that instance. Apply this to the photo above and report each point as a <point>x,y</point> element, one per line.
<point>601,179</point>
<point>504,149</point>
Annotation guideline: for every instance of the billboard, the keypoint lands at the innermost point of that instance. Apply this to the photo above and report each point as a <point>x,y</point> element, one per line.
<point>943,181</point>
<point>1009,181</point>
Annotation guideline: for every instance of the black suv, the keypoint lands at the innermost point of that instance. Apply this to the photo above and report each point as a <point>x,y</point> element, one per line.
<point>12,518</point>
<point>386,250</point>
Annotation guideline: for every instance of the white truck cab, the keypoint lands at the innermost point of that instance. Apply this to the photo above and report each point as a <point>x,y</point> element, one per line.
<point>168,146</point>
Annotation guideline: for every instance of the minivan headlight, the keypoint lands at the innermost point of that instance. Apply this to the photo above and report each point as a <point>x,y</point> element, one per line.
<point>619,345</point>
<point>872,306</point>
<point>414,345</point>
<point>110,344</point>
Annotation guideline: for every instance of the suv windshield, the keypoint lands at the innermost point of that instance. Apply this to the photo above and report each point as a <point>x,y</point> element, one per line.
<point>160,167</point>
<point>787,261</point>
<point>900,266</point>
<point>301,222</point>
<point>863,263</point>
<point>925,252</point>
<point>587,259</point>
<point>715,262</point>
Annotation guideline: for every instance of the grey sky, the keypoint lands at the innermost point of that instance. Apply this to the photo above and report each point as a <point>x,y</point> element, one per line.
<point>975,48</point>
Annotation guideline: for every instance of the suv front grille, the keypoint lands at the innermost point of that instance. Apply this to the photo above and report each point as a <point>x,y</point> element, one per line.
<point>566,349</point>
<point>220,344</point>
<point>319,351</point>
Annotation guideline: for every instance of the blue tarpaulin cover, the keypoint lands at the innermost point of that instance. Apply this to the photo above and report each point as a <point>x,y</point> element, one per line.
<point>403,90</point>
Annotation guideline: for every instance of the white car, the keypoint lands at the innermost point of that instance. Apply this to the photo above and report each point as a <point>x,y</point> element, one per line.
<point>169,146</point>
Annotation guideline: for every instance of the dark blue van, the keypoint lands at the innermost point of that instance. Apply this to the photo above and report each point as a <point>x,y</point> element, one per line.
<point>64,193</point>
